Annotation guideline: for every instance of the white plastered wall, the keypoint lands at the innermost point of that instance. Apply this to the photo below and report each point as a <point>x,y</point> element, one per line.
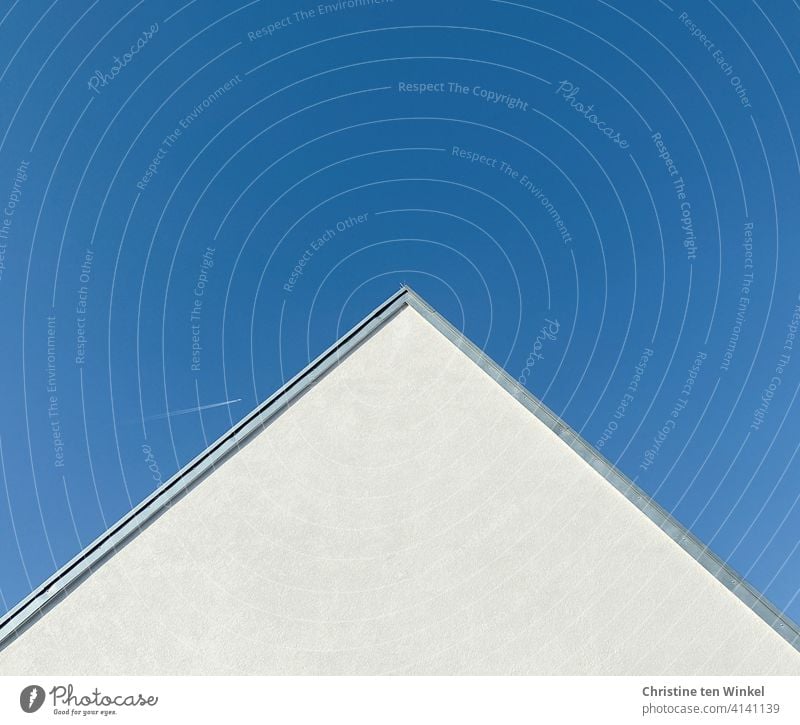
<point>406,515</point>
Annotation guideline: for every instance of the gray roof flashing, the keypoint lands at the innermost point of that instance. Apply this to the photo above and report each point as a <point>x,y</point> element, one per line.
<point>57,586</point>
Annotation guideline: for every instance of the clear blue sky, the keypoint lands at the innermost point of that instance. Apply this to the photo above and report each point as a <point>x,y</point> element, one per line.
<point>581,187</point>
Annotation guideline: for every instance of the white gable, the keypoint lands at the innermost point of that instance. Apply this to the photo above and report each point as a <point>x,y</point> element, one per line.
<point>404,515</point>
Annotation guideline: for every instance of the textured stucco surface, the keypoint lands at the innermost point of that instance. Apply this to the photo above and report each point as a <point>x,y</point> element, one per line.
<point>406,515</point>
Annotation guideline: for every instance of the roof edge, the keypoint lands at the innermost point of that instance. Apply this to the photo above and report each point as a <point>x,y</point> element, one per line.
<point>45,596</point>
<point>694,547</point>
<point>66,578</point>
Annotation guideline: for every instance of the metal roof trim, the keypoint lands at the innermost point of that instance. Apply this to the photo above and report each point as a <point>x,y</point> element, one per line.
<point>732,580</point>
<point>55,587</point>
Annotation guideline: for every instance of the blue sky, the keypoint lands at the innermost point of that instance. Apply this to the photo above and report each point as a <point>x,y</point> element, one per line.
<point>200,197</point>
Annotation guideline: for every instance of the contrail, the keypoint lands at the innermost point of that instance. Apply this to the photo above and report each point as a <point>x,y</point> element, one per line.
<point>191,410</point>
